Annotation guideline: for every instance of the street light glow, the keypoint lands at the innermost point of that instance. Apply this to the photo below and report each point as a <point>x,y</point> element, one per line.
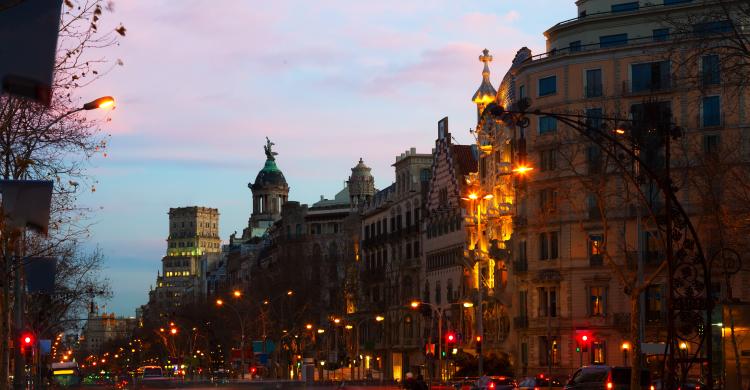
<point>102,102</point>
<point>219,302</point>
<point>473,196</point>
<point>290,292</point>
<point>523,169</point>
<point>414,304</point>
<point>468,304</point>
<point>237,293</point>
<point>321,330</point>
<point>308,326</point>
<point>347,326</point>
<point>379,318</point>
<point>173,331</point>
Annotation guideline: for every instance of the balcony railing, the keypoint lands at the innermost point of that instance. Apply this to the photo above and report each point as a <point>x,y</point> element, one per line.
<point>664,84</point>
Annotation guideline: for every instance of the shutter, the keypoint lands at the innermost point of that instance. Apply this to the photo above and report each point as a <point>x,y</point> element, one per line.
<point>604,301</point>
<point>587,300</point>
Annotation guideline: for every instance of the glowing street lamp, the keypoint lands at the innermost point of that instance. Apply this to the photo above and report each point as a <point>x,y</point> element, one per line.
<point>308,326</point>
<point>219,302</point>
<point>102,102</point>
<point>523,169</point>
<point>379,318</point>
<point>414,304</point>
<point>237,293</point>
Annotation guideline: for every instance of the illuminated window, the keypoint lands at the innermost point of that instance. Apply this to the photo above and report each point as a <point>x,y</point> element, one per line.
<point>598,352</point>
<point>596,301</point>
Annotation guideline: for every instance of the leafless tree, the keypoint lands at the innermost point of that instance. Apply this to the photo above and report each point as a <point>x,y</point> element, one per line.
<point>54,143</point>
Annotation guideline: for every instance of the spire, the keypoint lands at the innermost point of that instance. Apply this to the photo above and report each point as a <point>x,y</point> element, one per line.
<point>486,92</point>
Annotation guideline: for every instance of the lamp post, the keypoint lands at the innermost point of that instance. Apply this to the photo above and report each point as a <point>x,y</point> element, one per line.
<point>220,302</point>
<point>16,231</point>
<point>438,311</point>
<point>378,318</point>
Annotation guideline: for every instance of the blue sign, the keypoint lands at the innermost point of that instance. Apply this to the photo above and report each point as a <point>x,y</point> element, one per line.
<point>45,346</point>
<point>259,348</point>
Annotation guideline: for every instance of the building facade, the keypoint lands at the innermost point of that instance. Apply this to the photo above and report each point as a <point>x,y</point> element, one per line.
<point>390,266</point>
<point>193,247</point>
<point>580,234</point>
<point>102,328</point>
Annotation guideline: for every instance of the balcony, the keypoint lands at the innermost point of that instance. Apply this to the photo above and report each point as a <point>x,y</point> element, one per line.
<point>596,260</point>
<point>521,322</point>
<point>664,84</point>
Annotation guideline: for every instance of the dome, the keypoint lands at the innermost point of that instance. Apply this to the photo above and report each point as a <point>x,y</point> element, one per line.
<point>361,170</point>
<point>486,92</point>
<point>269,176</point>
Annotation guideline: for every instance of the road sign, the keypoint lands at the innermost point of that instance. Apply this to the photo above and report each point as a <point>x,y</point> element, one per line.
<point>29,29</point>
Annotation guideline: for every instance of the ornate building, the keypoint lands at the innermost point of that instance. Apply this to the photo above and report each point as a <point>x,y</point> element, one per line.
<point>270,192</point>
<point>444,237</point>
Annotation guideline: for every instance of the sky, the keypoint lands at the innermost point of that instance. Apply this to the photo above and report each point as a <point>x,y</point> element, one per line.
<point>204,82</point>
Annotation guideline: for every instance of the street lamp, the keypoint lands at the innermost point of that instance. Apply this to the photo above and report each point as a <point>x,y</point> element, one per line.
<point>220,303</point>
<point>102,102</point>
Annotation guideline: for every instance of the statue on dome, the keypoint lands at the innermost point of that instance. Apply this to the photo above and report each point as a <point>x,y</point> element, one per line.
<point>268,149</point>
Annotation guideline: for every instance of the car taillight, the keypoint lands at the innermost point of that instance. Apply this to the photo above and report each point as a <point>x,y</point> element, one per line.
<point>652,387</point>
<point>536,388</point>
<point>697,387</point>
<point>492,385</point>
<point>609,385</point>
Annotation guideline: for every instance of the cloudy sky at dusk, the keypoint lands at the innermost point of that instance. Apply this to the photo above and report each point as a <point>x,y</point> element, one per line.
<point>204,82</point>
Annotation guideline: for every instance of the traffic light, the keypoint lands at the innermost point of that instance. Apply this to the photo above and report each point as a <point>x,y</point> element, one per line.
<point>584,338</point>
<point>478,340</point>
<point>450,338</point>
<point>27,344</point>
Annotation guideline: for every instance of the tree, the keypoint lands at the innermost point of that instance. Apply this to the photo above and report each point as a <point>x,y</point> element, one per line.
<point>53,143</point>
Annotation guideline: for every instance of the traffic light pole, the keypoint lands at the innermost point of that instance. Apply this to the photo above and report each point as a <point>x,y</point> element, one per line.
<point>19,365</point>
<point>440,344</point>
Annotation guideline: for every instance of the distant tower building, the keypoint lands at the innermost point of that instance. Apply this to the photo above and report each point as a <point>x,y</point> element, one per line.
<point>361,184</point>
<point>270,192</point>
<point>486,93</point>
<point>192,243</point>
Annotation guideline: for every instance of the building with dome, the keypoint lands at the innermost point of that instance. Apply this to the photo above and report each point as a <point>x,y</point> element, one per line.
<point>361,184</point>
<point>270,191</point>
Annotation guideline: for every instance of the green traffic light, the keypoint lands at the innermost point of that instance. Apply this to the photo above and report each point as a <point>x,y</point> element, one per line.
<point>578,349</point>
<point>443,353</point>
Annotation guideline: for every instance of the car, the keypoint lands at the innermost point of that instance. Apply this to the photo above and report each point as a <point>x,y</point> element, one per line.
<point>501,383</point>
<point>690,384</point>
<point>603,377</point>
<point>541,382</point>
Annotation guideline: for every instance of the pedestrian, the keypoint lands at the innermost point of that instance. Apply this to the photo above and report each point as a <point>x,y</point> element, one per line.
<point>408,383</point>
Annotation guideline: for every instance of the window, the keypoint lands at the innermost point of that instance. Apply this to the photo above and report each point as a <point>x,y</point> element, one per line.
<point>594,159</point>
<point>652,76</point>
<point>548,86</point>
<point>713,27</point>
<point>623,7</point>
<point>598,352</point>
<point>711,144</point>
<point>593,83</point>
<point>575,46</point>
<point>660,34</point>
<point>438,293</point>
<point>596,301</point>
<point>543,247</point>
<point>613,40</point>
<point>547,200</point>
<point>522,91</point>
<point>710,70</point>
<point>524,354</point>
<point>522,303</point>
<point>547,301</point>
<point>654,305</point>
<point>672,2</point>
<point>710,111</point>
<point>594,118</point>
<point>547,124</point>
<point>595,249</point>
<point>522,251</point>
<point>548,160</point>
<point>553,245</point>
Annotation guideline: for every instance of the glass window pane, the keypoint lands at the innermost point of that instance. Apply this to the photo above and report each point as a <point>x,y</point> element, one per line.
<point>613,40</point>
<point>711,111</point>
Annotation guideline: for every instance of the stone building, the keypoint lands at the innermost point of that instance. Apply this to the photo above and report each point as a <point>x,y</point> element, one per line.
<point>193,246</point>
<point>446,285</point>
<point>575,233</point>
<point>102,328</point>
<point>390,266</point>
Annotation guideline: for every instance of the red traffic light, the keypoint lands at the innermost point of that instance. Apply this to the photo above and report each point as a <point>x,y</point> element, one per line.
<point>450,337</point>
<point>27,339</point>
<point>252,370</point>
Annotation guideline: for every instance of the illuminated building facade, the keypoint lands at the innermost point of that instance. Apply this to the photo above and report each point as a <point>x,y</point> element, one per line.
<point>604,63</point>
<point>102,328</point>
<point>193,245</point>
<point>446,284</point>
